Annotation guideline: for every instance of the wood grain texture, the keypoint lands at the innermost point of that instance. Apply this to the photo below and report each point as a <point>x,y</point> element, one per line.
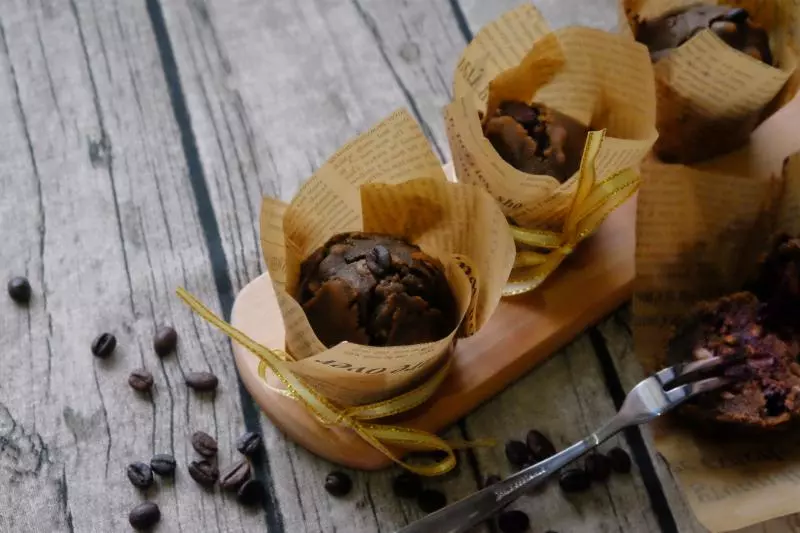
<point>600,14</point>
<point>139,138</point>
<point>98,212</point>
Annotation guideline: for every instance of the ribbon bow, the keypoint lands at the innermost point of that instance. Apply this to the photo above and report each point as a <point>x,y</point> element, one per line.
<point>380,436</point>
<point>591,204</point>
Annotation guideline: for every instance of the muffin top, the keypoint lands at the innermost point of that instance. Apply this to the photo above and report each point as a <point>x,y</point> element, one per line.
<point>375,290</point>
<point>536,139</point>
<point>733,25</point>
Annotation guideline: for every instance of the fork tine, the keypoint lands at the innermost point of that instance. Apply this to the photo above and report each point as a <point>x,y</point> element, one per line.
<point>671,373</point>
<point>684,392</point>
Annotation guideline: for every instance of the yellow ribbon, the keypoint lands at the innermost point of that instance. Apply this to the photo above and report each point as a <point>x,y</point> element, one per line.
<point>591,204</point>
<point>377,435</point>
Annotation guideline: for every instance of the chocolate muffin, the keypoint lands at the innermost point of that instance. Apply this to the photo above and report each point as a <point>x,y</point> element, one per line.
<point>536,139</point>
<point>733,25</point>
<point>375,290</point>
<point>765,393</point>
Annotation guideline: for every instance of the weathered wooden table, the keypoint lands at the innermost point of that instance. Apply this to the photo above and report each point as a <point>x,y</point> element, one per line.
<point>138,139</point>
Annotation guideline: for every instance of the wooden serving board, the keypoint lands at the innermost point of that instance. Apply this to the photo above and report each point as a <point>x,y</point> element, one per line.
<point>524,331</point>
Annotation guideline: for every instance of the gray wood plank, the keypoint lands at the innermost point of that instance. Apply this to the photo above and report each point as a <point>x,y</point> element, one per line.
<point>272,91</point>
<point>600,14</point>
<point>98,211</point>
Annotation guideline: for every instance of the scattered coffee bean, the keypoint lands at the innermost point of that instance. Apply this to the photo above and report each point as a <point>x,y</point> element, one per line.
<point>407,485</point>
<point>490,480</point>
<point>141,380</point>
<point>620,460</point>
<point>431,500</point>
<point>204,472</point>
<point>165,340</point>
<point>103,345</point>
<point>144,516</point>
<point>204,444</point>
<point>19,289</point>
<point>338,484</point>
<point>250,493</point>
<point>517,453</point>
<point>249,443</point>
<point>163,464</point>
<point>598,466</point>
<point>202,381</point>
<point>513,521</point>
<point>574,480</point>
<point>540,446</point>
<point>140,474</point>
<point>235,476</point>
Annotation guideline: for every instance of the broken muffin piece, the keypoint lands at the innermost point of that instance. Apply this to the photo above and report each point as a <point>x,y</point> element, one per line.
<point>536,139</point>
<point>375,290</point>
<point>765,393</point>
<point>731,24</point>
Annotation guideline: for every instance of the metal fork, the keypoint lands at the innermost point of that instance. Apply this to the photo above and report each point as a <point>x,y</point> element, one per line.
<point>649,399</point>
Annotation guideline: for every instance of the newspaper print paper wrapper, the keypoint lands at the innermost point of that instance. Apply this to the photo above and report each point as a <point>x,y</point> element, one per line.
<point>388,181</point>
<point>700,231</point>
<point>600,79</point>
<point>710,96</point>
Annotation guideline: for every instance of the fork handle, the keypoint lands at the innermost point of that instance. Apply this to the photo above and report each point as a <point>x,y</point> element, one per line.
<point>472,510</point>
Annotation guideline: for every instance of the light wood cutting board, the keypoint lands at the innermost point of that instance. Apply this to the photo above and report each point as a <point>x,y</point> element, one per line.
<point>524,331</point>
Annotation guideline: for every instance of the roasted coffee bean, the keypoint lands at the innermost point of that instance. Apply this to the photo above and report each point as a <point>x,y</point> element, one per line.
<point>140,474</point>
<point>165,340</point>
<point>144,516</point>
<point>513,521</point>
<point>540,446</point>
<point>517,453</point>
<point>163,464</point>
<point>204,444</point>
<point>338,484</point>
<point>574,480</point>
<point>250,493</point>
<point>490,480</point>
<point>19,289</point>
<point>431,500</point>
<point>103,345</point>
<point>204,472</point>
<point>597,466</point>
<point>235,476</point>
<point>407,485</point>
<point>141,380</point>
<point>202,381</point>
<point>249,443</point>
<point>620,460</point>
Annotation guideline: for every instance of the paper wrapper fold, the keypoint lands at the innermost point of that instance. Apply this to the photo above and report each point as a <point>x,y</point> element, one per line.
<point>700,231</point>
<point>710,96</point>
<point>600,79</point>
<point>385,181</point>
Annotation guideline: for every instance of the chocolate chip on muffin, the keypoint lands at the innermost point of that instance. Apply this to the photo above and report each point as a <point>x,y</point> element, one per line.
<point>536,139</point>
<point>375,290</point>
<point>733,25</point>
<point>767,385</point>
